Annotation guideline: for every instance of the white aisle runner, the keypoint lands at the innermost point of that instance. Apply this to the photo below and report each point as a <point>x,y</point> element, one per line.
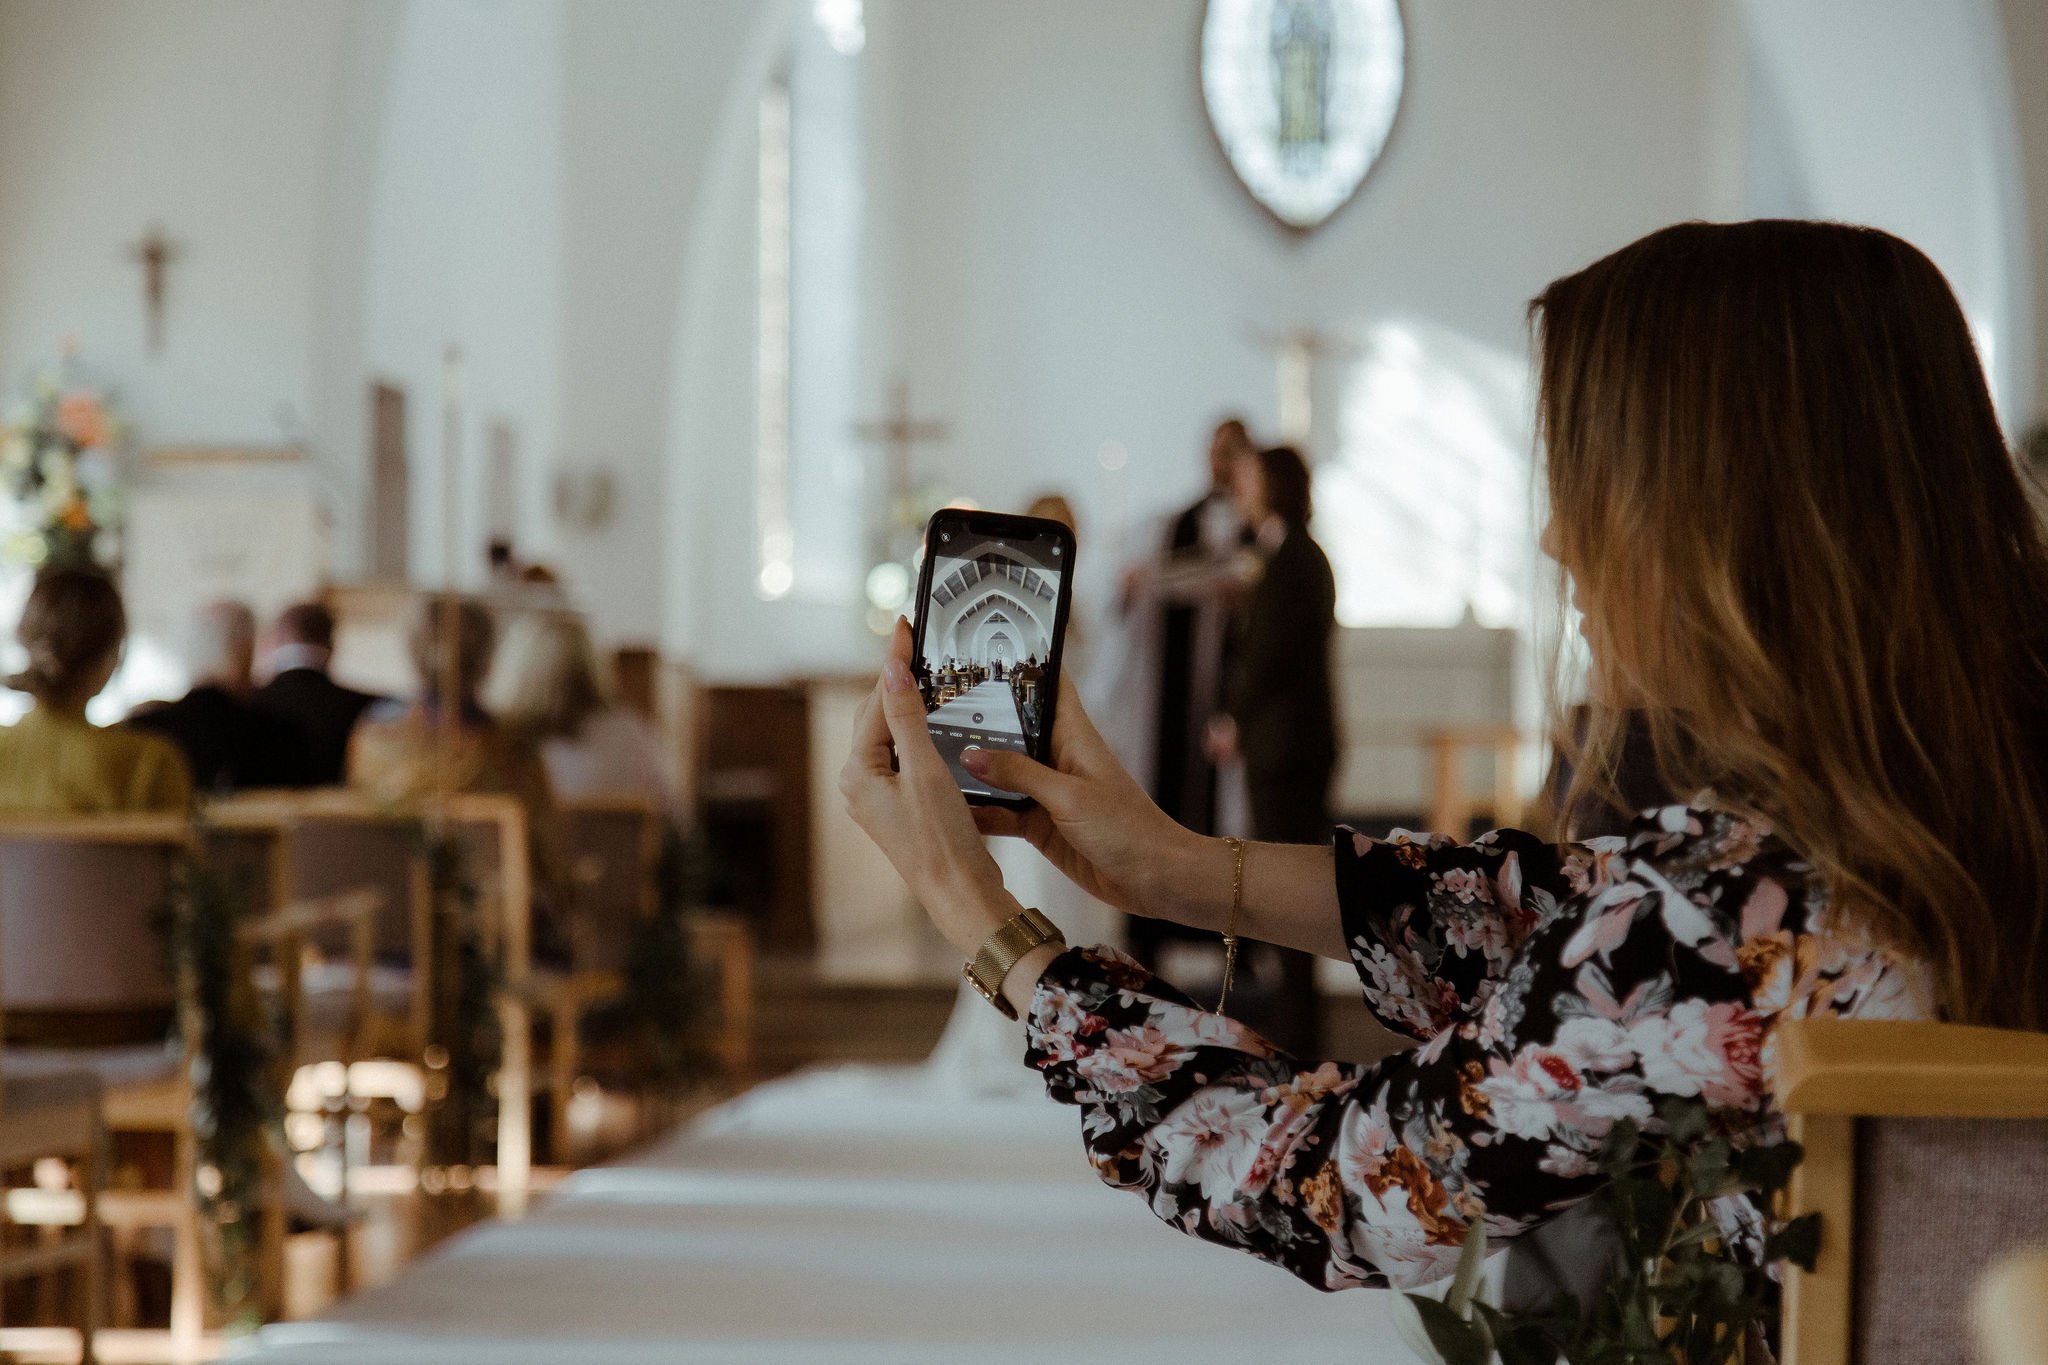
<point>990,707</point>
<point>853,1217</point>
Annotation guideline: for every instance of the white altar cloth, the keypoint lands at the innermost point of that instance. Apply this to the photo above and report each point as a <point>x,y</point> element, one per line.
<point>860,1216</point>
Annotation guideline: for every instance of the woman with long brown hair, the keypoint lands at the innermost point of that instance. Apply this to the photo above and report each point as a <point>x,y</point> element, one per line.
<point>1804,559</point>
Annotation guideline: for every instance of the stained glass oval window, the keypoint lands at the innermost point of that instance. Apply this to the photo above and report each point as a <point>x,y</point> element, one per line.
<point>1302,94</point>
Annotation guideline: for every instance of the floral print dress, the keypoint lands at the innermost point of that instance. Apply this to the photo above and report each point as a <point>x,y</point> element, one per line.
<point>1552,989</point>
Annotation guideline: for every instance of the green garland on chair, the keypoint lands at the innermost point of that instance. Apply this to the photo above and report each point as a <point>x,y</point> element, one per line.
<point>470,1032</point>
<point>1677,1295</point>
<point>664,998</point>
<point>227,1028</point>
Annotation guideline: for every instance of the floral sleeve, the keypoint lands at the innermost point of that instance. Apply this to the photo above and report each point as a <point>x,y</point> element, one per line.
<point>1433,924</point>
<point>1656,970</point>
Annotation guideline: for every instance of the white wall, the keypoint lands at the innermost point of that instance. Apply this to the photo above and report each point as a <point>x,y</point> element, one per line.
<point>1900,114</point>
<point>1054,253</point>
<point>1064,260</point>
<point>465,250</point>
<point>2026,35</point>
<point>210,118</point>
<point>643,80</point>
<point>354,184</point>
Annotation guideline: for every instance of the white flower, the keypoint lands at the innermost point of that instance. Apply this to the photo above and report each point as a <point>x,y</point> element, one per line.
<point>1393,992</point>
<point>1108,1074</point>
<point>1058,1010</point>
<point>1566,1163</point>
<point>1674,1048</point>
<point>1190,1029</point>
<point>1591,1044</point>
<point>1392,1239</point>
<point>1211,1141</point>
<point>1363,1143</point>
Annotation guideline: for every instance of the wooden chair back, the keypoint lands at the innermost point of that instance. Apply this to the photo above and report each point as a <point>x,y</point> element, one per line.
<point>1927,1159</point>
<point>320,844</point>
<point>81,921</point>
<point>612,851</point>
<point>329,853</point>
<point>336,842</point>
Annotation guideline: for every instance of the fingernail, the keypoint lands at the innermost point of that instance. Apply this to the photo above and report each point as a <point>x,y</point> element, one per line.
<point>896,676</point>
<point>975,761</point>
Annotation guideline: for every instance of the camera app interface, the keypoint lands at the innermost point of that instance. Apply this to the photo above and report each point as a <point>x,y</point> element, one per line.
<point>988,662</point>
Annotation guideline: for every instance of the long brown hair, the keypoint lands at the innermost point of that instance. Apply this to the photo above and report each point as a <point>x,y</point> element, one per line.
<point>1810,570</point>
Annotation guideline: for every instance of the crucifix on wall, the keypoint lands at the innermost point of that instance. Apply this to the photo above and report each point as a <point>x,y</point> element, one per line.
<point>1296,353</point>
<point>154,252</point>
<point>899,434</point>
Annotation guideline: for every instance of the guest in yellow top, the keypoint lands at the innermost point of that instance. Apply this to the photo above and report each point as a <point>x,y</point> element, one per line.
<point>53,758</point>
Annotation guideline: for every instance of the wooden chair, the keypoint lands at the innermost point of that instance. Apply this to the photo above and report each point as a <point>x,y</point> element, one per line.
<point>86,984</point>
<point>327,843</point>
<point>58,1115</point>
<point>612,852</point>
<point>312,847</point>
<point>1451,809</point>
<point>727,940</point>
<point>1927,1159</point>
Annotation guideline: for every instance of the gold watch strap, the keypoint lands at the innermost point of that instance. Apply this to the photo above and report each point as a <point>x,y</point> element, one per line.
<point>999,952</point>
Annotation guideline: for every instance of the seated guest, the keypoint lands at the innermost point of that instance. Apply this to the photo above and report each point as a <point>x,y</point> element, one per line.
<point>547,686</point>
<point>227,742</point>
<point>321,712</point>
<point>403,750</point>
<point>53,758</point>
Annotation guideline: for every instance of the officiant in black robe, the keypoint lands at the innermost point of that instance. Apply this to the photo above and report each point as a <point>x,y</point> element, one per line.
<point>1196,622</point>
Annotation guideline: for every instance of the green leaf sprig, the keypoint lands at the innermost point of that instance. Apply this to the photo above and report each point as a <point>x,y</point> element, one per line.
<point>1678,1292</point>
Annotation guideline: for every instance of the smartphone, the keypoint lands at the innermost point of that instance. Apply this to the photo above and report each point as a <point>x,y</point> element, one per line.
<point>992,601</point>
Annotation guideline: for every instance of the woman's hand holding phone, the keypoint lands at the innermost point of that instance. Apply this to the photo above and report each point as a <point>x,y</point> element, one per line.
<point>1092,820</point>
<point>914,811</point>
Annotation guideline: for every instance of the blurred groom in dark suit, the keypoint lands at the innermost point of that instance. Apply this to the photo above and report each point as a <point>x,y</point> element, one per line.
<point>321,711</point>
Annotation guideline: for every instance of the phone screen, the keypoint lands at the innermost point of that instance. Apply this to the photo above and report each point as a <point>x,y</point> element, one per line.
<point>991,614</point>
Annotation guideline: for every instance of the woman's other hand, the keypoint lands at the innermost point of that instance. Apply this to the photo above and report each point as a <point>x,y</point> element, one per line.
<point>1093,821</point>
<point>915,813</point>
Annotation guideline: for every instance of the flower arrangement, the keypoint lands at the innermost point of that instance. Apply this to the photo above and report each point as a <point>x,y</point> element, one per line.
<point>1678,1293</point>
<point>57,456</point>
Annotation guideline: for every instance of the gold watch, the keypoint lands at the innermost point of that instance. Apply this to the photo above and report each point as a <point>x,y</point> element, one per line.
<point>999,952</point>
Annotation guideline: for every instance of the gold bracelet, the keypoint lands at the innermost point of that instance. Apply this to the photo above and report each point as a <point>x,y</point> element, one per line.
<point>1230,925</point>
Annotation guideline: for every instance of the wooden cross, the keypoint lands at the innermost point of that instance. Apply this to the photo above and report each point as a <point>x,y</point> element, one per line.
<point>898,433</point>
<point>156,252</point>
<point>1295,353</point>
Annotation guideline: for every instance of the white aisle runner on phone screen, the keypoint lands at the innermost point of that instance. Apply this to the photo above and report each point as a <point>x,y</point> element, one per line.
<point>862,1216</point>
<point>988,710</point>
